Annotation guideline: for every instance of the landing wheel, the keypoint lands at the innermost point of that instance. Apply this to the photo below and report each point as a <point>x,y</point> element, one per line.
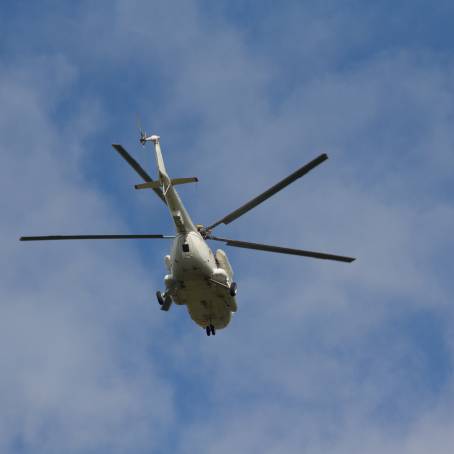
<point>233,289</point>
<point>213,330</point>
<point>208,330</point>
<point>160,298</point>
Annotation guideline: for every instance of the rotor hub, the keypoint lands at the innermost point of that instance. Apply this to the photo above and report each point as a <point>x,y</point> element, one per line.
<point>203,231</point>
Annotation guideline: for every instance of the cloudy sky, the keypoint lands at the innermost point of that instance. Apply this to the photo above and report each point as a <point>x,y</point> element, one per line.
<point>321,357</point>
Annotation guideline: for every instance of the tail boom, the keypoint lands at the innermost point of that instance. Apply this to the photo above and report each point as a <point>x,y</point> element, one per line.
<point>180,216</point>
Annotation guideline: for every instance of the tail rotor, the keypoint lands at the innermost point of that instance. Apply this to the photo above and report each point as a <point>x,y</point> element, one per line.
<point>143,134</point>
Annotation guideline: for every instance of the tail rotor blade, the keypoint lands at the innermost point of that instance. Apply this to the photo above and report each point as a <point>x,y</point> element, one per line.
<point>138,122</point>
<point>142,133</point>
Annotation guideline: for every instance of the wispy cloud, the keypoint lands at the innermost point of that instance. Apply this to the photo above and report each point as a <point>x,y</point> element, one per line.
<point>320,356</point>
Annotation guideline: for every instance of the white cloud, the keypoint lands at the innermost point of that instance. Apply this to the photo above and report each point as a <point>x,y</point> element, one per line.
<point>320,356</point>
<point>76,373</point>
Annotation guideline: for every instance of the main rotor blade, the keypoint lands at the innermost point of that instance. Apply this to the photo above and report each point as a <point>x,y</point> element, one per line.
<point>270,192</point>
<point>138,168</point>
<point>92,237</point>
<point>283,250</point>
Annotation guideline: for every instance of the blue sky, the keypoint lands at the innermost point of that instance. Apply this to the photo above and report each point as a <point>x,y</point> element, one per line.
<point>320,356</point>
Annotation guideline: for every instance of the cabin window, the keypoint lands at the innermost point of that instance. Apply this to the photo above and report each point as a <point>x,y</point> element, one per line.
<point>185,247</point>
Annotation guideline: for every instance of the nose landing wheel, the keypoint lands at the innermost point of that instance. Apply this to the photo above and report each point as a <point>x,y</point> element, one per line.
<point>211,330</point>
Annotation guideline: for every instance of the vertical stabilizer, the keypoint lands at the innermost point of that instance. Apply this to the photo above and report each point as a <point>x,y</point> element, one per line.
<point>159,160</point>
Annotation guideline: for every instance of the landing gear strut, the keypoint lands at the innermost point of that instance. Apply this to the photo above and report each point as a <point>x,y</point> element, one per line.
<point>211,330</point>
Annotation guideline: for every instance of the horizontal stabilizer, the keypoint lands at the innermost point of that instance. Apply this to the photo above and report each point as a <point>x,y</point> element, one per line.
<point>157,184</point>
<point>149,185</point>
<point>176,181</point>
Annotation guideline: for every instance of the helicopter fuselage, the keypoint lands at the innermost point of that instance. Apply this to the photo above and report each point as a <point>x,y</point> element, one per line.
<point>200,280</point>
<point>197,278</point>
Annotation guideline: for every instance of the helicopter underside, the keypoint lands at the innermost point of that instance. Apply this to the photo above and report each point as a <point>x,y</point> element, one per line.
<point>208,304</point>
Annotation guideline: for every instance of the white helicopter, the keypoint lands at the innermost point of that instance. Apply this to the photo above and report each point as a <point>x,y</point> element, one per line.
<point>196,277</point>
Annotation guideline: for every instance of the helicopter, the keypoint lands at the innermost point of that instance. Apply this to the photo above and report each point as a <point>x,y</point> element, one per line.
<point>198,278</point>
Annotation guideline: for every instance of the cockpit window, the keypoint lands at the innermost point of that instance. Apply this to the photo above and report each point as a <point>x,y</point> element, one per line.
<point>185,247</point>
